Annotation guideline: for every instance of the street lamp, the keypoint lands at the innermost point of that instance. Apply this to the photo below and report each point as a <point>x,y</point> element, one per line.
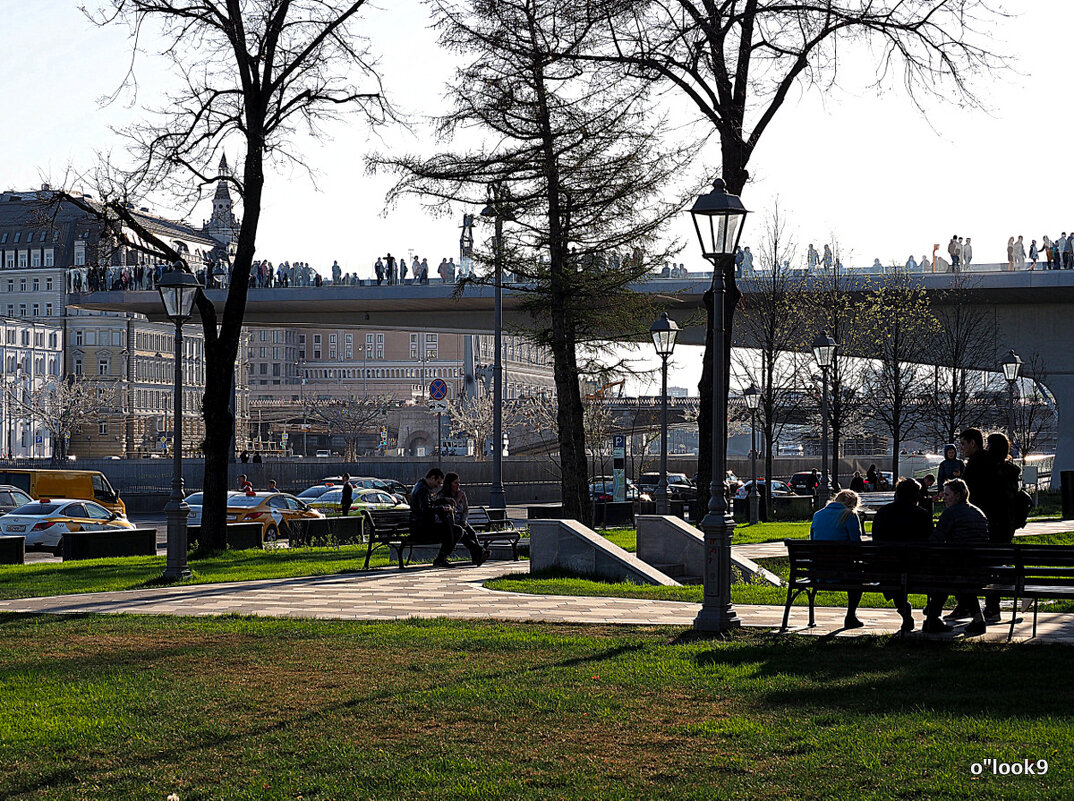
<point>752,396</point>
<point>1012,369</point>
<point>718,219</point>
<point>178,291</point>
<point>498,208</point>
<point>663,331</point>
<point>824,348</point>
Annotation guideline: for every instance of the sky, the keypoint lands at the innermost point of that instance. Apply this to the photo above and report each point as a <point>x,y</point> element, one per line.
<point>851,164</point>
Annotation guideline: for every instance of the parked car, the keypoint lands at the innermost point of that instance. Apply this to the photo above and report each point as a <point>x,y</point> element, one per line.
<point>195,502</point>
<point>87,485</point>
<point>680,488</point>
<point>389,485</point>
<point>365,500</point>
<point>733,483</point>
<point>778,488</point>
<point>802,483</point>
<point>272,509</point>
<point>602,489</point>
<point>316,491</point>
<point>323,454</point>
<point>12,498</point>
<point>44,522</point>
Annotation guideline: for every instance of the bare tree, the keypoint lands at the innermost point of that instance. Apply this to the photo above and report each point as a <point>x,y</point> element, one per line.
<point>60,405</point>
<point>844,318</point>
<point>599,426</point>
<point>1034,411</point>
<point>586,174</point>
<point>474,417</point>
<point>899,331</point>
<point>965,338</point>
<point>737,62</point>
<point>775,321</point>
<point>351,417</point>
<point>253,75</point>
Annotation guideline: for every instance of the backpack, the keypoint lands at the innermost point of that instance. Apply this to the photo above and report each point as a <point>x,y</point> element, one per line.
<point>1019,502</point>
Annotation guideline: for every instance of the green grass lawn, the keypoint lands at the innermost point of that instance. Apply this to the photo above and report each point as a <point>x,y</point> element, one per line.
<point>138,572</point>
<point>234,709</point>
<point>562,583</point>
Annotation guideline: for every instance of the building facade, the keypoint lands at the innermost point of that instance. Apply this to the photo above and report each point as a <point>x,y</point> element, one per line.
<point>31,355</point>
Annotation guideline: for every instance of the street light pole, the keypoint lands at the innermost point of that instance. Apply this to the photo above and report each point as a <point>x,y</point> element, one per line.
<point>1012,369</point>
<point>177,291</point>
<point>824,348</point>
<point>663,331</point>
<point>718,218</point>
<point>752,396</point>
<point>497,208</point>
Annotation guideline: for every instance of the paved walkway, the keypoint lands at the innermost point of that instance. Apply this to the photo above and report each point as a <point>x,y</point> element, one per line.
<point>424,592</point>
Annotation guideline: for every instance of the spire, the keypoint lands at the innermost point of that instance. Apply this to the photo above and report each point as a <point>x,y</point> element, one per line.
<point>222,193</point>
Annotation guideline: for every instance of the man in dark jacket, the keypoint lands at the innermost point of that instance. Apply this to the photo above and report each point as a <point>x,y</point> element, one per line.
<point>961,523</point>
<point>348,496</point>
<point>432,520</point>
<point>903,520</point>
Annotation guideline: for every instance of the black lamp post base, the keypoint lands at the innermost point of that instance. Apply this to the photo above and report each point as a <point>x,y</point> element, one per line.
<point>717,614</point>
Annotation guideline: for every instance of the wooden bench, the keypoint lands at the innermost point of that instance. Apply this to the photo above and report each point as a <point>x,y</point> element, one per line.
<point>1046,571</point>
<point>391,528</point>
<point>492,526</point>
<point>903,568</point>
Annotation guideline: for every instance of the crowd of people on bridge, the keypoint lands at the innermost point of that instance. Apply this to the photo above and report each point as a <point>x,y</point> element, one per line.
<point>983,504</point>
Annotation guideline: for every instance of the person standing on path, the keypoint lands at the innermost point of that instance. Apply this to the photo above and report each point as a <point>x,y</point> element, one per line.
<point>967,254</point>
<point>952,251</point>
<point>1019,254</point>
<point>1010,254</point>
<point>347,497</point>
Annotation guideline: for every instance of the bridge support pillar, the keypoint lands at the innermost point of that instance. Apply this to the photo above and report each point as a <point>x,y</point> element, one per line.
<point>1062,389</point>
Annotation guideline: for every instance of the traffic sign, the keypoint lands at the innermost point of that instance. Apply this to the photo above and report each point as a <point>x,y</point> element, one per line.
<point>438,406</point>
<point>438,389</point>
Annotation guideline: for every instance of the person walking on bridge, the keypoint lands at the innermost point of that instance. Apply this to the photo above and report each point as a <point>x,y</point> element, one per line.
<point>953,251</point>
<point>1019,254</point>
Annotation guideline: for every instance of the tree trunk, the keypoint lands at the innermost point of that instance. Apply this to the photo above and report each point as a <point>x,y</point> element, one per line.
<point>221,352</point>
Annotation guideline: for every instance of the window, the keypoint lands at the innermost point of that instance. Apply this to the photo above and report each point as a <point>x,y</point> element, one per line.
<point>78,365</point>
<point>37,283</point>
<point>102,365</point>
<point>3,238</point>
<point>413,346</point>
<point>35,259</point>
<point>22,258</point>
<point>276,353</point>
<point>264,335</point>
<point>9,261</point>
<point>380,346</point>
<point>50,261</point>
<point>10,285</point>
<point>102,429</point>
<point>78,337</point>
<point>22,282</point>
<point>22,310</point>
<point>36,310</point>
<point>18,234</point>
<point>80,255</point>
<point>10,310</point>
<point>263,368</point>
<point>276,370</point>
<point>317,354</point>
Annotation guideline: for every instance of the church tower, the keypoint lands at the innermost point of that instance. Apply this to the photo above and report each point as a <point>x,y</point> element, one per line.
<point>223,226</point>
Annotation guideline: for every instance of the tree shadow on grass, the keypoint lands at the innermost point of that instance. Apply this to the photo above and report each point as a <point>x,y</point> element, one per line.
<point>887,674</point>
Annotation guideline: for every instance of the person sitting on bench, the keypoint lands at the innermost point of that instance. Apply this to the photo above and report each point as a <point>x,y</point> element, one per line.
<point>432,520</point>
<point>838,522</point>
<point>903,520</point>
<point>961,523</point>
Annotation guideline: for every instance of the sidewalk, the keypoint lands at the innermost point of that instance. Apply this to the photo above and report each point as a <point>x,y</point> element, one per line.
<point>426,592</point>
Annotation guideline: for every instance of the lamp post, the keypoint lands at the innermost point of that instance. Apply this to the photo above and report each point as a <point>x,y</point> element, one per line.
<point>718,219</point>
<point>752,396</point>
<point>663,331</point>
<point>178,291</point>
<point>1012,369</point>
<point>824,348</point>
<point>498,208</point>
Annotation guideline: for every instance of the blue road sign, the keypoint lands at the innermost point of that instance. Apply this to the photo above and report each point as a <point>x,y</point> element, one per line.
<point>438,389</point>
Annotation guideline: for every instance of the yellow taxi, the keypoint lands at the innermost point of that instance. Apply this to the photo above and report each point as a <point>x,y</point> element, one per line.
<point>44,522</point>
<point>364,500</point>
<point>272,509</point>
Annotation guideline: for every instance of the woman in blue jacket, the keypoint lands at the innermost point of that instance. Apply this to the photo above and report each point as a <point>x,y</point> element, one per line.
<point>838,522</point>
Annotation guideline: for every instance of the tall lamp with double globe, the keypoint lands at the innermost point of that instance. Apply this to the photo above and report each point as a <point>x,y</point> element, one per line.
<point>663,331</point>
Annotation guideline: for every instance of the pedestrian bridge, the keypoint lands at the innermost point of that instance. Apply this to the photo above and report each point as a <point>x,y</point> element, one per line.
<point>1032,312</point>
